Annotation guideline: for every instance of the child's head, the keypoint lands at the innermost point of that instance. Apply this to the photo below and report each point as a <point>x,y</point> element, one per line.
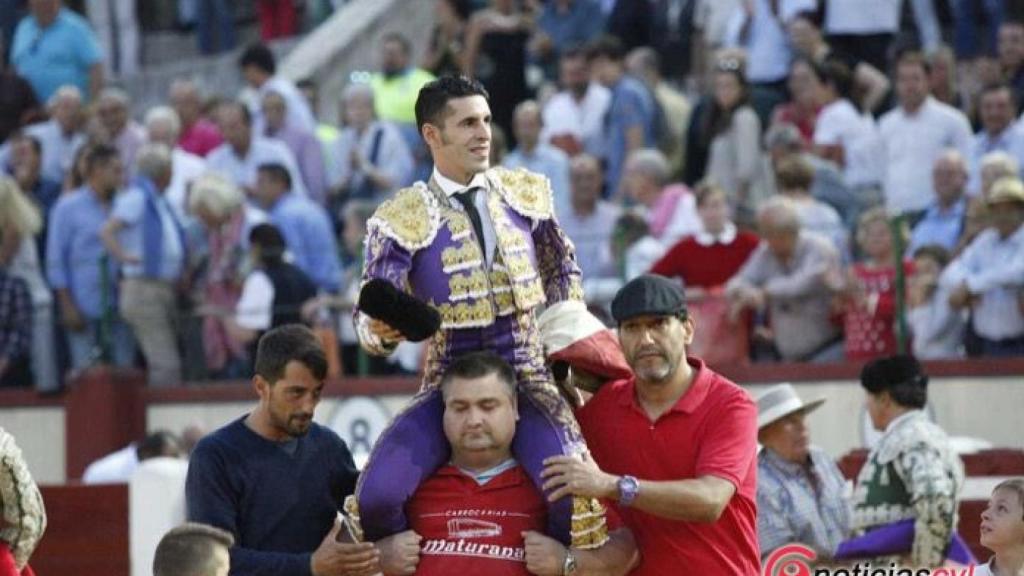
<point>794,176</point>
<point>1002,522</point>
<point>712,206</point>
<point>874,237</point>
<point>930,260</point>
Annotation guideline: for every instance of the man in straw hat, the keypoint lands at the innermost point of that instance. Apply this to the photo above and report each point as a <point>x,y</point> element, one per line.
<point>674,447</point>
<point>988,277</point>
<point>799,488</point>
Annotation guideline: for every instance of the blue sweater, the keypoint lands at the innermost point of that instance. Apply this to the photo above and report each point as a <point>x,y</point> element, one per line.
<point>279,504</point>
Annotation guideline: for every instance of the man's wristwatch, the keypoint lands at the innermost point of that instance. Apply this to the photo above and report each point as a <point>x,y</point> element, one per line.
<point>569,566</point>
<point>629,487</point>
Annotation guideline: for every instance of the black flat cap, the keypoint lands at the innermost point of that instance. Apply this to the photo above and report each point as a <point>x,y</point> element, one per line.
<point>649,294</point>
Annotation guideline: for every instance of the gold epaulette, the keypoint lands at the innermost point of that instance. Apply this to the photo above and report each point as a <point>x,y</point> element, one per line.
<point>528,193</point>
<point>412,218</point>
<point>589,527</point>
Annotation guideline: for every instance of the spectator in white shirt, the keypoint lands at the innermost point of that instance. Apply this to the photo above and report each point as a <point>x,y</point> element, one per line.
<point>243,152</point>
<point>988,277</point>
<point>164,127</point>
<point>536,156</point>
<point>258,68</point>
<point>997,109</point>
<point>938,330</point>
<point>914,135</point>
<point>590,220</point>
<point>60,137</point>
<point>371,158</point>
<point>847,136</point>
<point>863,30</point>
<point>574,117</point>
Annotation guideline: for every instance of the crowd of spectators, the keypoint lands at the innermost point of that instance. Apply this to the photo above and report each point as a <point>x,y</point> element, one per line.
<point>827,179</point>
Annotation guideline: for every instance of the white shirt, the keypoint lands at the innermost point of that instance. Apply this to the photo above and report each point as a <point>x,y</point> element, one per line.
<point>862,16</point>
<point>642,255</point>
<point>766,42</point>
<point>255,307</point>
<point>840,124</point>
<point>725,237</point>
<point>993,268</point>
<point>185,167</point>
<point>451,187</point>
<point>938,330</point>
<point>1010,140</point>
<point>584,120</point>
<point>242,171</point>
<point>912,144</point>
<point>114,468</point>
<point>712,18</point>
<point>983,569</point>
<point>26,265</point>
<point>592,235</point>
<point>58,149</point>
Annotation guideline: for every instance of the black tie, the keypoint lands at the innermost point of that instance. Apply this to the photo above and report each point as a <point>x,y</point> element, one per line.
<point>467,199</point>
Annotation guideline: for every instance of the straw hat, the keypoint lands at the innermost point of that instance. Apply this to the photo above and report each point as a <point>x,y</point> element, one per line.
<point>780,401</point>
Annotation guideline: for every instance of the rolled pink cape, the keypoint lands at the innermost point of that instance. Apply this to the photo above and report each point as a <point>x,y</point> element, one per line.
<point>570,333</point>
<point>897,538</point>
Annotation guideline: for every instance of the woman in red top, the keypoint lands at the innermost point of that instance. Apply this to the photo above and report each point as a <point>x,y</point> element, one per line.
<point>708,259</point>
<point>806,87</point>
<point>868,299</point>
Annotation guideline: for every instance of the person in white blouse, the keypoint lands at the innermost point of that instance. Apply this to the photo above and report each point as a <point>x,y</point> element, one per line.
<point>846,135</point>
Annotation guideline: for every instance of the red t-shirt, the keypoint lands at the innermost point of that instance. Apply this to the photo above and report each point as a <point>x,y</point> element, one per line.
<point>706,266</point>
<point>870,330</point>
<point>711,430</point>
<point>472,529</point>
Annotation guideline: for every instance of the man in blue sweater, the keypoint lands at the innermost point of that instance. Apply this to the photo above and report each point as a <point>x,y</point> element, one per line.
<point>274,478</point>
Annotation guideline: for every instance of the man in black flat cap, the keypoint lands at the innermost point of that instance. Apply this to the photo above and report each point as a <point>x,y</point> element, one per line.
<point>674,447</point>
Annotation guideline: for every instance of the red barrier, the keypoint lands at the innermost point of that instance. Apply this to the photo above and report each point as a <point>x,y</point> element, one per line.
<point>103,413</point>
<point>87,531</point>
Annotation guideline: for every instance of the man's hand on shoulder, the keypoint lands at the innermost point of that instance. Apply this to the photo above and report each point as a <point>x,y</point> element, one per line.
<point>399,553</point>
<point>572,475</point>
<point>545,556</point>
<point>335,558</point>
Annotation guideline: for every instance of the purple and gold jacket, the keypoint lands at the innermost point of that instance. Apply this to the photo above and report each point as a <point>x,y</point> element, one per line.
<point>423,243</point>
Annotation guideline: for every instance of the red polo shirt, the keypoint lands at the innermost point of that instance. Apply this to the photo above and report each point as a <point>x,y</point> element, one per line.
<point>711,430</point>
<point>472,529</point>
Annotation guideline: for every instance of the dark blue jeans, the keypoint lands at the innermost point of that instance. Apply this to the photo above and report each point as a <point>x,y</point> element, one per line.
<point>216,26</point>
<point>966,29</point>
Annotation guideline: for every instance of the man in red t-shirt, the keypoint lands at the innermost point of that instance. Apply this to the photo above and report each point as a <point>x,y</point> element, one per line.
<point>675,445</point>
<point>481,514</point>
